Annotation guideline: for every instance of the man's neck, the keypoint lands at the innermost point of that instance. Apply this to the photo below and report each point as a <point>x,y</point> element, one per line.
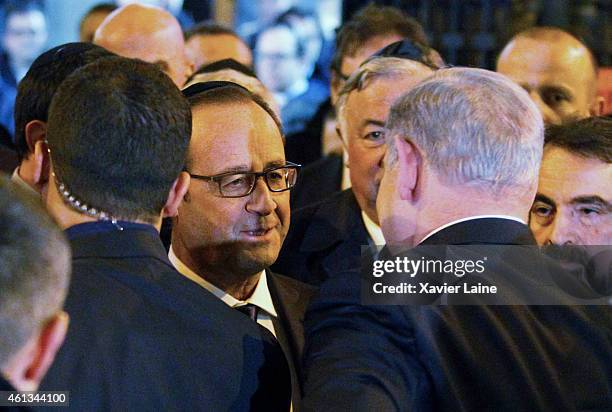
<point>238,284</point>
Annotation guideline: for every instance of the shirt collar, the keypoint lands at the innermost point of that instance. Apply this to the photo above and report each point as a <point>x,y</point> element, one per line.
<point>373,230</point>
<point>261,295</point>
<point>18,180</point>
<point>454,222</point>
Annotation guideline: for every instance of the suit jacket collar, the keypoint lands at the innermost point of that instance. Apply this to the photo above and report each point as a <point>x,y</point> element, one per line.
<point>336,220</point>
<point>483,231</point>
<point>133,241</point>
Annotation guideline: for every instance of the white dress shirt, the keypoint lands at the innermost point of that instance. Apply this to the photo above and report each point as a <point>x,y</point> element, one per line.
<point>260,297</point>
<point>15,178</point>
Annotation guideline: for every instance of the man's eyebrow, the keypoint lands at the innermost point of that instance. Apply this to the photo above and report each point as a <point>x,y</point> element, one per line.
<point>275,163</point>
<point>234,169</point>
<point>372,122</point>
<point>592,200</point>
<point>557,88</point>
<point>545,199</point>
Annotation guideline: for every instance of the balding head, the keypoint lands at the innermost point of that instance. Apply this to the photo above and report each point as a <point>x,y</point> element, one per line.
<point>557,70</point>
<point>147,33</point>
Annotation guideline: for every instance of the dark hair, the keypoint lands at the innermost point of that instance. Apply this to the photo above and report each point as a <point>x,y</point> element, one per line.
<point>34,267</point>
<point>11,7</point>
<point>372,21</point>
<point>299,42</point>
<point>209,28</point>
<point>224,92</point>
<point>98,8</point>
<point>37,88</point>
<point>118,133</point>
<point>589,138</point>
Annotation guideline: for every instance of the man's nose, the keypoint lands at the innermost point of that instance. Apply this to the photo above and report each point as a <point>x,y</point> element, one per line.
<point>260,200</point>
<point>562,231</point>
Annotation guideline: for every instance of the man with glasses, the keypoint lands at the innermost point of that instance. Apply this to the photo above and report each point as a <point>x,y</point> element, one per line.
<point>142,336</point>
<point>326,237</point>
<point>235,215</point>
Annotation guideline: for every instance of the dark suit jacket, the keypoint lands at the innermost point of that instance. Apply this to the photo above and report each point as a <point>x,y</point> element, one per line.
<point>144,337</point>
<point>456,358</point>
<point>290,298</point>
<point>317,182</point>
<point>324,239</point>
<point>305,146</point>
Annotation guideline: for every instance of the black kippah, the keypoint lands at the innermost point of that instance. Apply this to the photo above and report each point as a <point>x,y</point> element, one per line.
<point>410,50</point>
<point>225,64</point>
<point>202,87</point>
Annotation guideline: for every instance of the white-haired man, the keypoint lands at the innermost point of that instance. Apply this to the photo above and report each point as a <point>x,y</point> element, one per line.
<point>327,236</point>
<point>463,154</point>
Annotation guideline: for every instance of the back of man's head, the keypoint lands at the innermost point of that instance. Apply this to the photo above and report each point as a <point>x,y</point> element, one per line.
<point>374,21</point>
<point>42,80</point>
<point>475,129</point>
<point>590,138</point>
<point>34,276</point>
<point>118,132</point>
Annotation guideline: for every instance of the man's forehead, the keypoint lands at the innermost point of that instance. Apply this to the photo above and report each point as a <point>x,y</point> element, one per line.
<point>565,176</point>
<point>234,121</point>
<point>384,91</point>
<point>562,61</point>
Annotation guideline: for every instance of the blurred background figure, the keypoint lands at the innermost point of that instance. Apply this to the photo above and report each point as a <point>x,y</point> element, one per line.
<point>264,13</point>
<point>24,37</point>
<point>34,277</point>
<point>147,33</point>
<point>232,71</point>
<point>208,42</point>
<point>305,25</point>
<point>558,71</point>
<point>282,66</point>
<point>92,20</point>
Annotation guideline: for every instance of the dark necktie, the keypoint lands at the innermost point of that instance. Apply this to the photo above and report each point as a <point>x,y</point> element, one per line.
<point>249,309</point>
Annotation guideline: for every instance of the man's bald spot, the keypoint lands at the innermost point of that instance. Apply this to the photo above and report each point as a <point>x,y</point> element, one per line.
<point>556,38</point>
<point>145,32</point>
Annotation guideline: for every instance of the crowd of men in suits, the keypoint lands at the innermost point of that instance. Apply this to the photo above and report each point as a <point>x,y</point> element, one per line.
<point>162,249</point>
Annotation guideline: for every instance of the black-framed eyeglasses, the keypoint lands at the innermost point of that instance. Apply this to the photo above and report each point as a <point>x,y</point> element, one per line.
<point>232,184</point>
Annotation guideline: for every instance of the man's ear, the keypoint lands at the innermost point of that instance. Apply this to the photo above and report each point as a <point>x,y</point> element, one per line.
<point>48,343</point>
<point>598,106</point>
<point>177,192</point>
<point>35,130</point>
<point>409,168</point>
<point>40,165</point>
<point>339,134</point>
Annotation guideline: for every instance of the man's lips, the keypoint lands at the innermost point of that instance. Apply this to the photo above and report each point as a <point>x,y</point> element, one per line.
<point>259,231</point>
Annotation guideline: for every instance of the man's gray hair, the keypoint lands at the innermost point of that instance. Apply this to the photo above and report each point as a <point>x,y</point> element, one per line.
<point>34,268</point>
<point>475,127</point>
<point>375,68</point>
